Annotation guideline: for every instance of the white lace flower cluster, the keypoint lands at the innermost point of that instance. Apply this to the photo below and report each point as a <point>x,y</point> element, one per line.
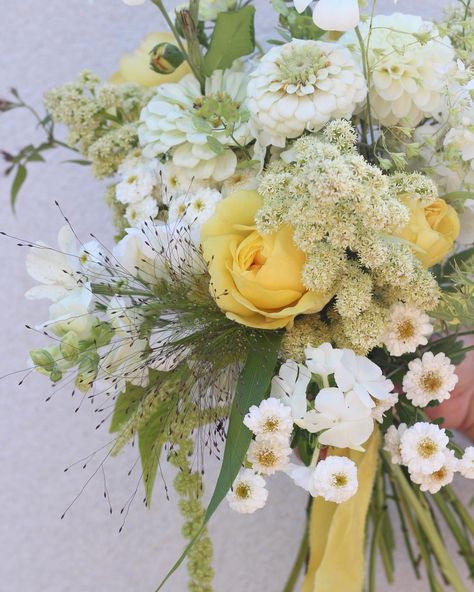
<point>423,449</point>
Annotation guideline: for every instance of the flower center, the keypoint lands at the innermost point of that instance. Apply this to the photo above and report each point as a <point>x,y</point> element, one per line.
<point>199,205</point>
<point>267,458</point>
<point>431,382</point>
<point>131,179</point>
<point>271,424</point>
<point>427,447</point>
<point>242,491</point>
<point>440,474</point>
<point>339,480</point>
<point>218,109</point>
<point>299,67</point>
<point>405,330</point>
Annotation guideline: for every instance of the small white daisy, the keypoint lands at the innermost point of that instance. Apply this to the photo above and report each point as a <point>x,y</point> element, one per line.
<point>423,448</point>
<point>433,482</point>
<point>271,419</point>
<point>335,479</point>
<point>392,442</point>
<point>268,456</point>
<point>201,205</point>
<point>466,464</point>
<point>137,213</point>
<point>430,379</point>
<point>382,406</point>
<point>178,208</point>
<point>248,492</point>
<point>408,328</point>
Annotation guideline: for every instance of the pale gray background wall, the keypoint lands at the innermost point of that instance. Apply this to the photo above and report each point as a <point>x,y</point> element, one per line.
<point>44,43</point>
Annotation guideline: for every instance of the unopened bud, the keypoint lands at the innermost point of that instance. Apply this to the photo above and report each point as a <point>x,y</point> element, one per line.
<point>165,58</point>
<point>43,359</point>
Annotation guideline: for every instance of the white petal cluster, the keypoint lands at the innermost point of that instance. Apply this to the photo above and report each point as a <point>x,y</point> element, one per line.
<point>190,127</point>
<point>248,492</point>
<point>466,464</point>
<point>332,15</point>
<point>271,420</point>
<point>408,328</point>
<point>433,482</point>
<point>193,208</point>
<point>268,455</point>
<point>300,86</point>
<point>392,442</point>
<point>430,379</point>
<point>209,9</point>
<point>382,406</point>
<point>323,360</point>
<point>423,448</point>
<point>410,66</point>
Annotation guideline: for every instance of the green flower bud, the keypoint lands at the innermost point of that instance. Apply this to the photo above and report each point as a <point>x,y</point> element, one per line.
<point>43,359</point>
<point>69,347</point>
<point>87,371</point>
<point>165,58</point>
<point>55,375</point>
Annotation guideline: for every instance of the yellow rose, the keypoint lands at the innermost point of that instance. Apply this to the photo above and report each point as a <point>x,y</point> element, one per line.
<point>433,229</point>
<point>135,66</point>
<point>255,279</point>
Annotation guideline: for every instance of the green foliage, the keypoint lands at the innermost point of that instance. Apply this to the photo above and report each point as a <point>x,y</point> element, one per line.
<point>233,38</point>
<point>294,25</point>
<point>456,308</point>
<point>126,406</point>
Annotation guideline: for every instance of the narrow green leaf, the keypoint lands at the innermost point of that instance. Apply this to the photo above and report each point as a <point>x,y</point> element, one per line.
<point>457,259</point>
<point>18,181</point>
<point>233,37</point>
<point>77,161</point>
<point>125,406</point>
<point>252,386</point>
<point>215,145</point>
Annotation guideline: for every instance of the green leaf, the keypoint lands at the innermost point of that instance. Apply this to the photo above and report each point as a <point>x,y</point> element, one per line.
<point>252,386</point>
<point>455,260</point>
<point>233,37</point>
<point>18,181</point>
<point>125,406</point>
<point>457,198</point>
<point>77,161</point>
<point>150,442</point>
<point>215,145</point>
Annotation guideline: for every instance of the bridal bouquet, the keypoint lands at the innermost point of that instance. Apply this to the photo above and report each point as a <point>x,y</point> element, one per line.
<point>293,275</point>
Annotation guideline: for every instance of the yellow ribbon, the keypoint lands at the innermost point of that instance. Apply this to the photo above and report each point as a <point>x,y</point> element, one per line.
<point>337,532</point>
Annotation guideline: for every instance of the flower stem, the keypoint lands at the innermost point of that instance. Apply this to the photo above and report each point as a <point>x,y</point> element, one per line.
<point>299,562</point>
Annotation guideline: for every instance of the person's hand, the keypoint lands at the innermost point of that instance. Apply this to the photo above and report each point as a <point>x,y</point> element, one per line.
<point>458,411</point>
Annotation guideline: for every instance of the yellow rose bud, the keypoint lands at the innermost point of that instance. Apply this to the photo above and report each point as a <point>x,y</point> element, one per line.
<point>135,66</point>
<point>255,279</point>
<point>433,229</point>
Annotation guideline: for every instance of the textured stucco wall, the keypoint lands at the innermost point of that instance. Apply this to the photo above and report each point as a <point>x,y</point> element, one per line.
<point>44,43</point>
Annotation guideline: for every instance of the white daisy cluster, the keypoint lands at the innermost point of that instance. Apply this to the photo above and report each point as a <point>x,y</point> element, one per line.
<point>423,449</point>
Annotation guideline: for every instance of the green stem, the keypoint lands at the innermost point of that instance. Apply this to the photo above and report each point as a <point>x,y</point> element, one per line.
<point>459,508</point>
<point>299,562</point>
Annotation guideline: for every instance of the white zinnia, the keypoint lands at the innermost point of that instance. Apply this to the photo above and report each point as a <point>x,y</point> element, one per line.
<point>430,379</point>
<point>333,15</point>
<point>363,377</point>
<point>408,328</point>
<point>335,479</point>
<point>423,447</point>
<point>301,86</point>
<point>466,464</point>
<point>344,420</point>
<point>290,387</point>
<point>248,492</point>
<point>433,482</point>
<point>392,442</point>
<point>410,64</point>
<point>179,121</point>
<point>382,406</point>
<point>271,419</point>
<point>323,360</point>
<point>268,455</point>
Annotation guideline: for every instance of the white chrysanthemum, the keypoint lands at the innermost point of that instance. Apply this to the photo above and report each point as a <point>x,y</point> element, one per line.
<point>410,65</point>
<point>466,464</point>
<point>333,15</point>
<point>430,379</point>
<point>301,86</point>
<point>198,130</point>
<point>382,406</point>
<point>246,179</point>
<point>200,205</point>
<point>139,178</point>
<point>248,492</point>
<point>423,447</point>
<point>335,479</point>
<point>392,442</point>
<point>271,419</point>
<point>323,360</point>
<point>268,455</point>
<point>433,482</point>
<point>139,212</point>
<point>408,328</point>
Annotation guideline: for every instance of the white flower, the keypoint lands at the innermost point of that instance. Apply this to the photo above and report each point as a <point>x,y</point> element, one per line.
<point>430,379</point>
<point>423,447</point>
<point>335,479</point>
<point>466,464</point>
<point>383,405</point>
<point>271,419</point>
<point>410,65</point>
<point>248,492</point>
<point>433,482</point>
<point>290,387</point>
<point>301,86</point>
<point>72,313</point>
<point>347,423</point>
<point>333,15</point>
<point>241,180</point>
<point>268,456</point>
<point>361,375</point>
<point>209,9</point>
<point>466,218</point>
<point>392,442</point>
<point>193,208</point>
<point>139,178</point>
<point>139,212</point>
<point>408,328</point>
<point>302,476</point>
<point>92,259</point>
<point>133,2</point>
<point>135,255</point>
<point>179,121</point>
<point>323,360</point>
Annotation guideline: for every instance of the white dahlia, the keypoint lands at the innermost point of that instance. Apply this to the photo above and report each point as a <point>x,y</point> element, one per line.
<point>410,64</point>
<point>408,328</point>
<point>301,86</point>
<point>335,479</point>
<point>248,492</point>
<point>430,379</point>
<point>198,130</point>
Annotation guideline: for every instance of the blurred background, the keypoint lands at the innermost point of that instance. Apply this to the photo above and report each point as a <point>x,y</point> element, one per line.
<point>43,44</point>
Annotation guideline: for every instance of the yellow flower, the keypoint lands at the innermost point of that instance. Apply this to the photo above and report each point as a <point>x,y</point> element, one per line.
<point>135,66</point>
<point>255,279</point>
<point>433,229</point>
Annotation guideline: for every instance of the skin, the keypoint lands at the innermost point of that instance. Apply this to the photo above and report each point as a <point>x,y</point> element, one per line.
<point>458,411</point>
